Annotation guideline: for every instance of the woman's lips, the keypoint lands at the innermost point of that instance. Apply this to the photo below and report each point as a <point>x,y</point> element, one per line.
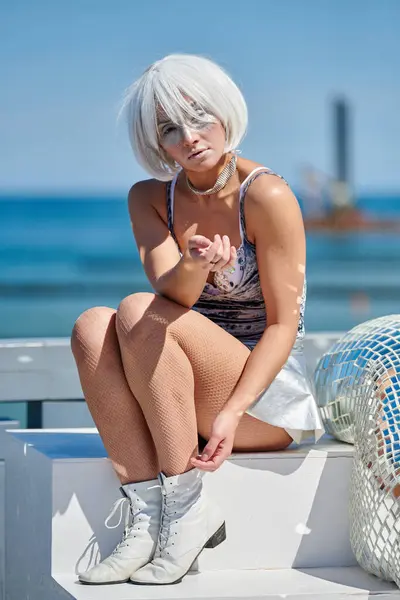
<point>198,153</point>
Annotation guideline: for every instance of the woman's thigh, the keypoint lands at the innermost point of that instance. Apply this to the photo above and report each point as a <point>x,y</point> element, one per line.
<point>217,359</point>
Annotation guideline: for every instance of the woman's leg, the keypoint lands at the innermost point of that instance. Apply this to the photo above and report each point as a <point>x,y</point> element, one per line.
<point>182,368</point>
<point>127,439</point>
<point>114,409</point>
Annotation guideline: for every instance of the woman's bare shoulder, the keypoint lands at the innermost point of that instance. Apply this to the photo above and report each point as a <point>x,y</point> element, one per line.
<point>148,193</point>
<point>260,184</point>
<point>266,198</point>
<point>245,167</point>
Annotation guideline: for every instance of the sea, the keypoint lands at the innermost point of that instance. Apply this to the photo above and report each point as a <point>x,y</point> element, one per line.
<point>60,255</point>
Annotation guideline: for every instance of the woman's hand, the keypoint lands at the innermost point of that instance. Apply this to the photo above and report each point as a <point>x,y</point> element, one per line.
<point>216,256</point>
<point>220,444</point>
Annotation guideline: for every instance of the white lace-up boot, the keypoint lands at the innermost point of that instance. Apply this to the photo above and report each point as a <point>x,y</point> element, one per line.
<point>142,502</point>
<point>189,523</point>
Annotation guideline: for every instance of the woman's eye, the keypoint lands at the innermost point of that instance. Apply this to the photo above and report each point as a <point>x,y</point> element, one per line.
<point>201,118</point>
<point>200,115</point>
<point>167,130</point>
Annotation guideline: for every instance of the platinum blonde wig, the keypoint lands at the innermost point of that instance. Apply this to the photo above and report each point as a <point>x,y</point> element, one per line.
<point>178,86</point>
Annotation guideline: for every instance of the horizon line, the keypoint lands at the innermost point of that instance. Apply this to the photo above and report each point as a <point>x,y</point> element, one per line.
<point>28,193</point>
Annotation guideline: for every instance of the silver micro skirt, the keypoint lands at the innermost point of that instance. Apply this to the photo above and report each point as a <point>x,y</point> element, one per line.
<point>289,402</point>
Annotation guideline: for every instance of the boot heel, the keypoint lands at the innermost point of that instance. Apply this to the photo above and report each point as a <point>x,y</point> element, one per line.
<point>218,537</point>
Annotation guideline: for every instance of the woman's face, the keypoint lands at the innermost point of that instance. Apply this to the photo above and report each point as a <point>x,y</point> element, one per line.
<point>196,145</point>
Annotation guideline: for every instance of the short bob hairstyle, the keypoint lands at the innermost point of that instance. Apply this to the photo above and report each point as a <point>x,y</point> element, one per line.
<point>174,84</point>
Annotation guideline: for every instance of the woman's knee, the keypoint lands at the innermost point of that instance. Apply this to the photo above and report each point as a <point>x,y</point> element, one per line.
<point>130,312</point>
<point>90,327</point>
<point>144,315</point>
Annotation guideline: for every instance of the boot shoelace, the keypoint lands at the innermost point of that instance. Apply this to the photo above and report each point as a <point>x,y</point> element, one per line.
<point>167,517</point>
<point>126,508</point>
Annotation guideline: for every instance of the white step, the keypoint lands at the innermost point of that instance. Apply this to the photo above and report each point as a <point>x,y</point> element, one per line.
<point>4,425</point>
<point>283,510</point>
<point>349,583</point>
<point>275,504</point>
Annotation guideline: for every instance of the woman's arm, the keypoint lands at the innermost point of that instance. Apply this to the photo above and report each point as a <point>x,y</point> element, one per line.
<point>274,219</point>
<point>181,279</point>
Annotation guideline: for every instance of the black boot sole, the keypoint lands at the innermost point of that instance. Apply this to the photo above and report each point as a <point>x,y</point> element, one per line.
<point>215,540</point>
<point>103,582</point>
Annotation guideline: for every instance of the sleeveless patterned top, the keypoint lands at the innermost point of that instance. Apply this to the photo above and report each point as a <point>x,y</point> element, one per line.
<point>235,301</point>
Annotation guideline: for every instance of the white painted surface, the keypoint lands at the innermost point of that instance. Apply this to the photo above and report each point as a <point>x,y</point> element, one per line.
<point>313,584</point>
<point>2,570</point>
<point>66,414</point>
<point>61,487</point>
<point>44,368</point>
<point>297,515</point>
<point>276,510</point>
<point>28,525</point>
<point>275,506</point>
<point>38,369</point>
<point>4,425</point>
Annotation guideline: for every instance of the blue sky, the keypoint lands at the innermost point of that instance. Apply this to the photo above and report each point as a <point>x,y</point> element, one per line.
<point>65,64</point>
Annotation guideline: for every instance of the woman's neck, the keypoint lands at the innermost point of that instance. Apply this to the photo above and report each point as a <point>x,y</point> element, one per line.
<point>206,180</point>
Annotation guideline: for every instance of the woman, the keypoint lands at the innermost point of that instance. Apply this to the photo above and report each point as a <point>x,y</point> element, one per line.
<point>221,238</point>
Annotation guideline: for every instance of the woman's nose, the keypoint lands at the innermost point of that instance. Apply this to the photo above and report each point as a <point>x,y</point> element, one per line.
<point>189,136</point>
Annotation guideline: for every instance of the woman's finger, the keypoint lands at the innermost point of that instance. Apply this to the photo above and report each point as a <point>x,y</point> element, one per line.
<point>219,459</point>
<point>210,465</point>
<point>224,255</point>
<point>231,264</point>
<point>205,469</point>
<point>214,252</point>
<point>210,448</point>
<point>233,256</point>
<point>203,466</point>
<point>227,251</point>
<point>199,241</point>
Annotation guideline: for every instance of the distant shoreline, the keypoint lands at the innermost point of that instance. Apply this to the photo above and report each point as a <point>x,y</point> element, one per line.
<point>351,219</point>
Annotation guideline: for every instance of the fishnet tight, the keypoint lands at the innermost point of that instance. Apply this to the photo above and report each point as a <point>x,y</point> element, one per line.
<point>154,375</point>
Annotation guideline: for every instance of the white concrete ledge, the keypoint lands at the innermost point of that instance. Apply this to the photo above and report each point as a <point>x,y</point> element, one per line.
<point>283,509</point>
<point>290,584</point>
<point>4,425</point>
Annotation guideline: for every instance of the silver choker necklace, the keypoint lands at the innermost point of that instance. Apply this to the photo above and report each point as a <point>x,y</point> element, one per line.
<point>221,182</point>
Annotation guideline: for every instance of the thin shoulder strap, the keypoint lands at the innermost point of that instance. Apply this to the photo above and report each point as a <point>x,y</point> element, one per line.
<point>243,189</point>
<point>170,206</point>
<point>250,175</point>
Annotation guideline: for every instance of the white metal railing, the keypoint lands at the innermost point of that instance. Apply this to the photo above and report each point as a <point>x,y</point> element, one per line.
<point>37,370</point>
